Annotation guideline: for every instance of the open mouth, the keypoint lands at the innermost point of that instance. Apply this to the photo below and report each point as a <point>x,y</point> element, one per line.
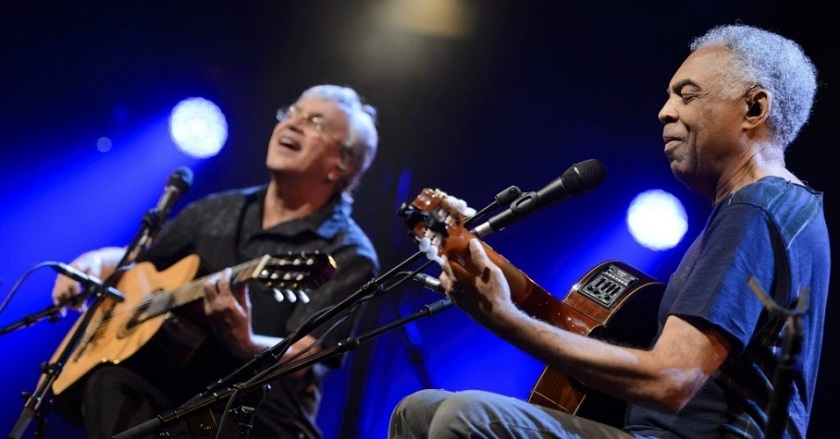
<point>290,143</point>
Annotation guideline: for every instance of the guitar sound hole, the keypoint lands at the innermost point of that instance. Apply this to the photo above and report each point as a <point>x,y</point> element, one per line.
<point>140,315</point>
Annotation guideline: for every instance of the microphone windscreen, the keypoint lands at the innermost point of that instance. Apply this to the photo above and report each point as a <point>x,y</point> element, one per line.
<point>584,176</point>
<point>182,178</point>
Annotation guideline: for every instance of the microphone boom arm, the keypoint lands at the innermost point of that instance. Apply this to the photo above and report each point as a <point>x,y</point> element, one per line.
<point>164,420</point>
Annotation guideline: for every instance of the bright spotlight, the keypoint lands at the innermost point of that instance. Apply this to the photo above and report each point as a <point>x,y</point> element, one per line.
<point>657,220</point>
<point>198,127</point>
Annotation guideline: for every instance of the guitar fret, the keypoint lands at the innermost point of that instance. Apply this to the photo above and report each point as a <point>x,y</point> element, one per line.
<point>195,290</point>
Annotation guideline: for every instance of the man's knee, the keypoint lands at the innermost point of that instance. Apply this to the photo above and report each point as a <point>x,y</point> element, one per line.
<point>413,414</point>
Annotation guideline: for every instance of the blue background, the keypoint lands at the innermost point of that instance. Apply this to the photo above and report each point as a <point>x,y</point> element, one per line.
<point>527,89</point>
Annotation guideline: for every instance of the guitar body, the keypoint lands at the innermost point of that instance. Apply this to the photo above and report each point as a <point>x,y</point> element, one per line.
<point>613,302</point>
<point>115,332</point>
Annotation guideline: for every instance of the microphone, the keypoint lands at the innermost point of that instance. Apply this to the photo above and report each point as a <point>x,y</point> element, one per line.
<point>178,184</point>
<point>79,276</point>
<point>429,282</point>
<point>578,179</point>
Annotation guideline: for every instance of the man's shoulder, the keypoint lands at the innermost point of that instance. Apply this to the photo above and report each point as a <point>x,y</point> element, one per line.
<point>354,235</point>
<point>771,193</point>
<point>233,195</point>
<point>789,205</point>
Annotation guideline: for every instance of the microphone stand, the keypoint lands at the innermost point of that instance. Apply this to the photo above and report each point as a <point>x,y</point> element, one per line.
<point>166,419</point>
<point>50,372</point>
<point>273,354</point>
<point>152,221</point>
<point>270,357</point>
<point>222,388</point>
<point>51,313</point>
<point>777,407</point>
<point>247,412</point>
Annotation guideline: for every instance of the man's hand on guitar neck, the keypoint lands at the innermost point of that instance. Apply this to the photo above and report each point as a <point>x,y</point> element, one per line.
<point>228,309</point>
<point>97,263</point>
<point>479,288</point>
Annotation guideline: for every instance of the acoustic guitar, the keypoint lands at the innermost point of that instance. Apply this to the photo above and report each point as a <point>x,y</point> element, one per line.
<point>613,302</point>
<point>118,330</point>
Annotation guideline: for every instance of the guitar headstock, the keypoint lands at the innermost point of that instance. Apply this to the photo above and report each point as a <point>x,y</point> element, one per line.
<point>290,276</point>
<point>436,221</point>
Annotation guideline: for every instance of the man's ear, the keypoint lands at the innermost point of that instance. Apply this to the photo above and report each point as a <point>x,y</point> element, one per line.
<point>343,171</point>
<point>754,109</point>
<point>758,105</point>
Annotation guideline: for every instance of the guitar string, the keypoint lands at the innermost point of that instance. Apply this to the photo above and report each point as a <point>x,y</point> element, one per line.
<point>149,300</point>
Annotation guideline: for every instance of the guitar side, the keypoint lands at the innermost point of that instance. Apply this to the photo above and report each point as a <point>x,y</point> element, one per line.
<point>112,336</point>
<point>613,302</point>
<point>616,303</point>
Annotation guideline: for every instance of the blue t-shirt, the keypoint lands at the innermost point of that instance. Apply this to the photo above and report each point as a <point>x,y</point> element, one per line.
<point>772,232</point>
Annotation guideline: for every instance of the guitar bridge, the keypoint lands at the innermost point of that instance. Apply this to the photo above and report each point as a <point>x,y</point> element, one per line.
<point>608,285</point>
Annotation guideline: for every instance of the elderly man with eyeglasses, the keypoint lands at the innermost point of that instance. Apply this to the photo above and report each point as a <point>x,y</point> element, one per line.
<point>317,153</point>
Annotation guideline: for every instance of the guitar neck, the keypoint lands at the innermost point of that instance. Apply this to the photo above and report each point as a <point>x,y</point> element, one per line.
<point>434,212</point>
<point>525,292</point>
<point>194,290</point>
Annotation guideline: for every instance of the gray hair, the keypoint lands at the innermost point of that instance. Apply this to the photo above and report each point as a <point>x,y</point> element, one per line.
<point>774,63</point>
<point>362,136</point>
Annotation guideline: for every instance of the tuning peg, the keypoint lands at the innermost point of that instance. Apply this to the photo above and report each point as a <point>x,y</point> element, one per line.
<point>424,243</point>
<point>431,250</point>
<point>432,255</point>
<point>278,295</point>
<point>460,205</point>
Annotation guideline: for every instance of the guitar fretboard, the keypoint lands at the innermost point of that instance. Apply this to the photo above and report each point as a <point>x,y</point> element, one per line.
<point>161,302</point>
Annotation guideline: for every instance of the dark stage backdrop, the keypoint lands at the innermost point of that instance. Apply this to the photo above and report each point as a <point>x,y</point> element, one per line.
<point>473,96</point>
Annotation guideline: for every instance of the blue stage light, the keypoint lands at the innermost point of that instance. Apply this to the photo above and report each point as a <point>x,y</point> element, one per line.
<point>198,127</point>
<point>657,220</point>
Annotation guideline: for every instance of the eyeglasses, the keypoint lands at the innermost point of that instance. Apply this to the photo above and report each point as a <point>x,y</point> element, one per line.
<point>314,121</point>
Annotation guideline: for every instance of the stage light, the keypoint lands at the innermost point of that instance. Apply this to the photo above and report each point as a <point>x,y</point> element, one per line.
<point>657,220</point>
<point>104,144</point>
<point>198,127</point>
